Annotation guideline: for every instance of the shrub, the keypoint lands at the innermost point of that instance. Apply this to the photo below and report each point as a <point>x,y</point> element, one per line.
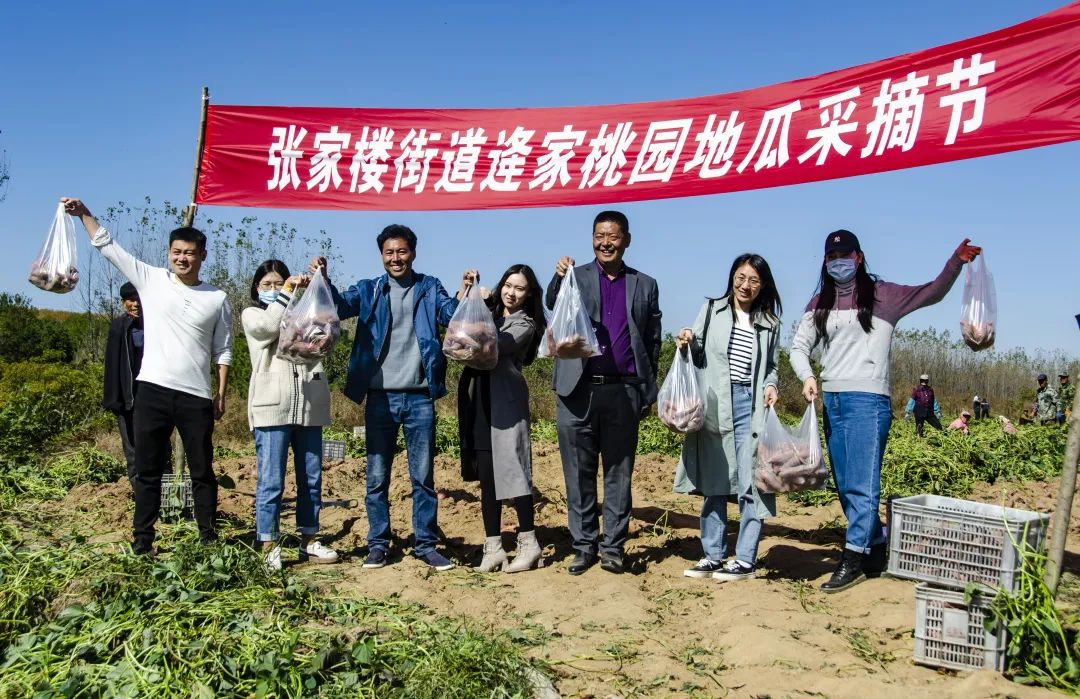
<point>42,402</point>
<point>24,334</point>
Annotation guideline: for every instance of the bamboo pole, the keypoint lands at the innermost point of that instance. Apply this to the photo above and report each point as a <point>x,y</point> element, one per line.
<point>179,460</point>
<point>1060,526</point>
<point>189,210</point>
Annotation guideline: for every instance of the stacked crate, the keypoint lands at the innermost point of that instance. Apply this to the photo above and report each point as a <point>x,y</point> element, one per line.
<point>947,544</point>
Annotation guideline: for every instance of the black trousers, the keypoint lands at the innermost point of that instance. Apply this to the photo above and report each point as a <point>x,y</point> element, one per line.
<point>491,507</point>
<point>931,418</point>
<point>598,423</point>
<point>125,421</point>
<point>158,411</point>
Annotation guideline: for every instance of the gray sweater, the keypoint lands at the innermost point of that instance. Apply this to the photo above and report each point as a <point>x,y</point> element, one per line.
<point>852,359</point>
<point>400,366</point>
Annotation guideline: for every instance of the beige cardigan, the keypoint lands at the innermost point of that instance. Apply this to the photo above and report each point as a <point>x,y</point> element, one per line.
<point>281,393</point>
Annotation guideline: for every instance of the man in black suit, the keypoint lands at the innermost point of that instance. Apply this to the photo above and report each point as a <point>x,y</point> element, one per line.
<point>601,400</point>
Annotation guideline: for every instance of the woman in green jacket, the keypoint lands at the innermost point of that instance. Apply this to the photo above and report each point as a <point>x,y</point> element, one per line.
<point>736,340</point>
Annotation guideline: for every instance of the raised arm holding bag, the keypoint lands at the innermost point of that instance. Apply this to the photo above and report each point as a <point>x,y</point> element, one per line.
<point>310,325</point>
<point>55,268</point>
<point>570,333</point>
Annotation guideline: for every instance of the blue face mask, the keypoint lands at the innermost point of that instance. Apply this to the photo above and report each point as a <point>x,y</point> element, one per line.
<point>268,297</point>
<point>842,270</point>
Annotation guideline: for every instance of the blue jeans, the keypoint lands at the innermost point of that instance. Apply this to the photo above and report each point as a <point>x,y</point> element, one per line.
<point>856,430</point>
<point>714,508</point>
<point>385,413</point>
<point>272,455</point>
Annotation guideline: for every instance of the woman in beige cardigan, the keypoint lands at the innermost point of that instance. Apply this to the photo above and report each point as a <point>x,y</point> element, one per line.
<point>288,405</point>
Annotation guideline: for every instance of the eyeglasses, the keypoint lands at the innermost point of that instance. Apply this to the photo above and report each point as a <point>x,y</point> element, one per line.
<point>271,286</point>
<point>752,282</point>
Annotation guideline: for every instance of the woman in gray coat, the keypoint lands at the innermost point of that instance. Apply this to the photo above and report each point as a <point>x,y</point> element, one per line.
<point>736,339</point>
<point>493,419</point>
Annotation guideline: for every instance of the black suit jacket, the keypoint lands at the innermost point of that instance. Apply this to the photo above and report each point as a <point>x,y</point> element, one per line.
<point>643,317</point>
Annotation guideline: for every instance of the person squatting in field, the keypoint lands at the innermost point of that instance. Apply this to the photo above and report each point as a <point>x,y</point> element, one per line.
<point>853,315</point>
<point>187,328</point>
<point>397,371</point>
<point>288,406</point>
<point>736,340</point>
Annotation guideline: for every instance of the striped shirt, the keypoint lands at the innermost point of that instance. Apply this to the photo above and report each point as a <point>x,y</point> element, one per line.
<point>741,349</point>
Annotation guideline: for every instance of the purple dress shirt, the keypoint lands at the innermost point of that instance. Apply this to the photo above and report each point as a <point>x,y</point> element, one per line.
<point>617,357</point>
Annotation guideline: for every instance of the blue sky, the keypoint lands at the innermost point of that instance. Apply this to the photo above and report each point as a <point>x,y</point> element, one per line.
<point>101,101</point>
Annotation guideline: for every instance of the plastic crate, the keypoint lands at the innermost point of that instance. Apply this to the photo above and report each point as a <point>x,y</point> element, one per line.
<point>951,633</point>
<point>951,542</point>
<point>333,450</point>
<point>181,488</point>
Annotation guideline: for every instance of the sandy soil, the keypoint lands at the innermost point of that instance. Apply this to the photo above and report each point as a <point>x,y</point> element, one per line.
<point>650,632</point>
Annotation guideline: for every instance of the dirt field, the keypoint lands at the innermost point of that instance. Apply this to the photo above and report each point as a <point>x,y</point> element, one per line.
<point>651,632</point>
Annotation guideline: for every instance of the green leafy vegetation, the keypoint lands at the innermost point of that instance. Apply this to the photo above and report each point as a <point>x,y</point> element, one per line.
<point>1043,641</point>
<point>206,622</point>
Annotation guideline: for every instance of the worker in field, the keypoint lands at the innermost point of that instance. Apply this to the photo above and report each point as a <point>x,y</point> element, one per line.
<point>961,423</point>
<point>1066,396</point>
<point>923,405</point>
<point>1046,403</point>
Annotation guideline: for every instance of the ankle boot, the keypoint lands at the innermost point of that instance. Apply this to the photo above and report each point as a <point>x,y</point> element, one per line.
<point>529,554</point>
<point>848,574</point>
<point>494,556</point>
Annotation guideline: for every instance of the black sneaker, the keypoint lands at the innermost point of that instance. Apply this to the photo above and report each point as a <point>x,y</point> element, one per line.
<point>877,561</point>
<point>735,570</point>
<point>436,561</point>
<point>848,574</point>
<point>704,568</point>
<point>376,558</point>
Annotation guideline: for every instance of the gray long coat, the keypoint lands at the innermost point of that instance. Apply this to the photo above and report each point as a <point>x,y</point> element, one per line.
<point>708,465</point>
<point>511,450</point>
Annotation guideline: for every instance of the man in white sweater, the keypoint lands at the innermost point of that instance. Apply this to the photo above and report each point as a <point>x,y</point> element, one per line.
<point>187,326</point>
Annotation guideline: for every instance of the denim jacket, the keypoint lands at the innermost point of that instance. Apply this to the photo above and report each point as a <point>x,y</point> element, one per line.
<point>368,300</point>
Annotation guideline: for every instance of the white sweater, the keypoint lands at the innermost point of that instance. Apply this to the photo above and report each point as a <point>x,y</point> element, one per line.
<point>281,393</point>
<point>186,327</point>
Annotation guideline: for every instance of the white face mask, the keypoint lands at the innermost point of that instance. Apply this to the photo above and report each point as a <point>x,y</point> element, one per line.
<point>268,297</point>
<point>842,270</point>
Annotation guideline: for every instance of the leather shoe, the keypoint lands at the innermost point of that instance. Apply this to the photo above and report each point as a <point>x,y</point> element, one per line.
<point>612,563</point>
<point>581,563</point>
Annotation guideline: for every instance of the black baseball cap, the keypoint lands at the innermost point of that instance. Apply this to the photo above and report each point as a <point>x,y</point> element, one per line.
<point>1041,377</point>
<point>842,241</point>
<point>128,291</point>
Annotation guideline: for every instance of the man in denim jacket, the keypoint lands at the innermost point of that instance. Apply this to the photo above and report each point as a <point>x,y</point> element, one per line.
<point>397,369</point>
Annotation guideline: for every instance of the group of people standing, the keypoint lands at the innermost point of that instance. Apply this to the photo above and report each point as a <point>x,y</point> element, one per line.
<point>397,371</point>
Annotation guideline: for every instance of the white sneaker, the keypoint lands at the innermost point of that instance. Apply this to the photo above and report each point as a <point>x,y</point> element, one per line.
<point>317,553</point>
<point>273,559</point>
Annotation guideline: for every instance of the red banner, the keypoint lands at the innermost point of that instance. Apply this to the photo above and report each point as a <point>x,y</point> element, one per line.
<point>1010,89</point>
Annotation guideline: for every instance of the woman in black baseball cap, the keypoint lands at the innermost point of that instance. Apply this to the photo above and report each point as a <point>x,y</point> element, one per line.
<point>853,316</point>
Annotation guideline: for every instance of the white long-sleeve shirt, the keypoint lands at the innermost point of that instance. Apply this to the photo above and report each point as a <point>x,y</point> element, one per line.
<point>185,327</point>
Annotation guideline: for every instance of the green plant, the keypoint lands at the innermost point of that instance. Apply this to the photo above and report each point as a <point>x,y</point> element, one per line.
<point>1044,645</point>
<point>40,403</point>
<point>214,622</point>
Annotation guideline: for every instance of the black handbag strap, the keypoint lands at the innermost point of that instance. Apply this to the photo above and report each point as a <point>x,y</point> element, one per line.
<point>705,330</point>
